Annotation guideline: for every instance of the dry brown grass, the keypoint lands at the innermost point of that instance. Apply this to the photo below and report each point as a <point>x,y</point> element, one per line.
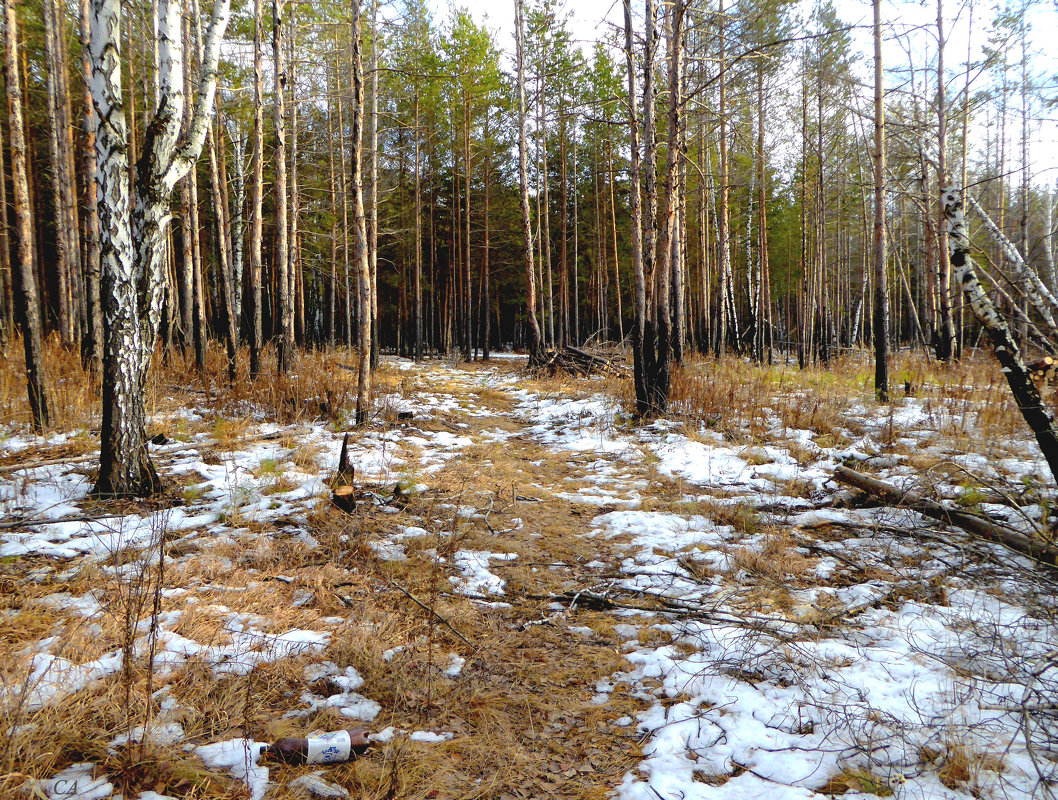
<point>521,709</point>
<point>858,780</point>
<point>737,398</point>
<point>776,561</point>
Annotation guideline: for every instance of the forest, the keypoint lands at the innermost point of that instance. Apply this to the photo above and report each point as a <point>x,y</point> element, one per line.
<point>650,400</point>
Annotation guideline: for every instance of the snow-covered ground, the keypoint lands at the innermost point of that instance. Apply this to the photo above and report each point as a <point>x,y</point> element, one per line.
<point>777,641</point>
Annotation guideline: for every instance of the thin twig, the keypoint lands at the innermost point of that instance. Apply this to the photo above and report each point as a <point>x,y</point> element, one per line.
<point>425,607</point>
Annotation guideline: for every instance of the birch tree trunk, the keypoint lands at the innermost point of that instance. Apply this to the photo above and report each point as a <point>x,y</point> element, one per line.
<point>1048,234</point>
<point>535,353</point>
<point>1033,288</point>
<point>131,246</point>
<point>881,283</point>
<point>1039,419</point>
<point>372,219</point>
<point>294,272</point>
<point>24,276</point>
<point>946,341</point>
<point>362,259</point>
<point>728,318</point>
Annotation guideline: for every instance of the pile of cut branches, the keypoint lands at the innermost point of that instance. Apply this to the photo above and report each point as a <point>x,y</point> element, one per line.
<point>576,361</point>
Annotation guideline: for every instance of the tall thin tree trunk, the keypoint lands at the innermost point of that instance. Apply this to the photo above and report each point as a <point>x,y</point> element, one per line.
<point>285,351</point>
<point>946,342</point>
<point>331,310</point>
<point>661,377</point>
<point>253,285</point>
<point>56,140</point>
<point>238,217</point>
<point>92,344</point>
<point>881,281</point>
<point>468,312</point>
<point>635,207</point>
<point>25,278</point>
<point>294,272</point>
<point>417,307</point>
<point>363,261</point>
<point>228,307</point>
<point>616,260</point>
<point>372,220</point>
<point>563,275</point>
<point>650,211</point>
<point>7,289</point>
<point>523,180</point>
<point>486,301</point>
<point>199,327</point>
<point>729,317</point>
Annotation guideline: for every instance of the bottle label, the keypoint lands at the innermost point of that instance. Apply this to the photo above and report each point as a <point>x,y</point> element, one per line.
<point>329,748</point>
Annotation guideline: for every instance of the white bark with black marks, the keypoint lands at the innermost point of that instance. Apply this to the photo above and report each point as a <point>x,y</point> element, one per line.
<point>131,246</point>
<point>1040,419</point>
<point>284,352</point>
<point>535,353</point>
<point>1035,290</point>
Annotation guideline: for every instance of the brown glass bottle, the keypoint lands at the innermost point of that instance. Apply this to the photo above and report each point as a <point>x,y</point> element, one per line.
<point>326,748</point>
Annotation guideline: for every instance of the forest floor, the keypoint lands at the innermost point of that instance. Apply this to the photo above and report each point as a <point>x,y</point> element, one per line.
<point>535,596</point>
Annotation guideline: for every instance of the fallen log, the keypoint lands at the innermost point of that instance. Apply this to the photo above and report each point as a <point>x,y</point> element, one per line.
<point>989,529</point>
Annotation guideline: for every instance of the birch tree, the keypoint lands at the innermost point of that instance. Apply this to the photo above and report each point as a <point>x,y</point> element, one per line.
<point>282,256</point>
<point>1038,417</point>
<point>535,353</point>
<point>131,244</point>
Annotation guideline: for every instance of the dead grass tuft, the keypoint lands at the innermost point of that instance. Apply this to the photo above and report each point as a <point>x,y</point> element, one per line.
<point>857,780</point>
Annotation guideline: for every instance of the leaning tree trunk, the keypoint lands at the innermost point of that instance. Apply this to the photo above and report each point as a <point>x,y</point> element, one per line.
<point>1040,420</point>
<point>1033,288</point>
<point>535,352</point>
<point>26,279</point>
<point>131,246</point>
